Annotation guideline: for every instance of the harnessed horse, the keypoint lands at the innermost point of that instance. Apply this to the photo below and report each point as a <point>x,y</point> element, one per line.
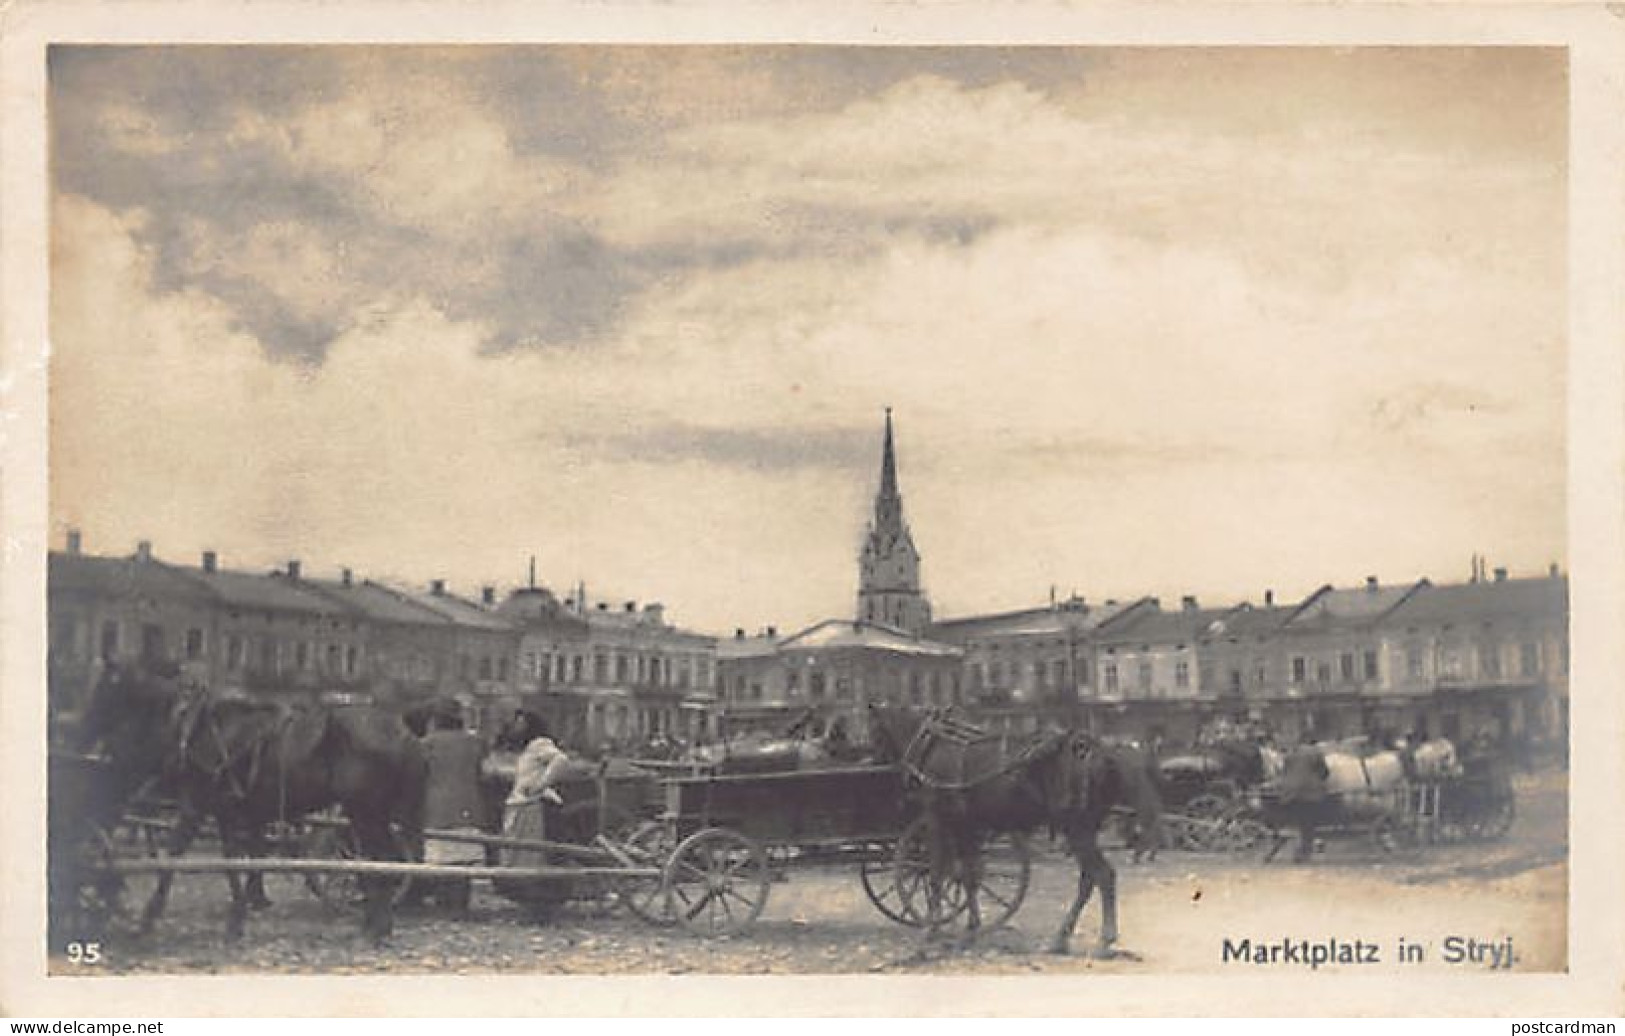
<point>248,764</point>
<point>972,787</point>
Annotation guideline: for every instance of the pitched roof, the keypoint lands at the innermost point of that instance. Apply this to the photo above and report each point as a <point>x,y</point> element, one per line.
<point>1248,620</point>
<point>377,602</point>
<point>1359,606</point>
<point>458,610</point>
<point>273,592</point>
<point>1154,624</point>
<point>1469,602</point>
<point>836,634</point>
<point>1056,620</point>
<point>120,577</point>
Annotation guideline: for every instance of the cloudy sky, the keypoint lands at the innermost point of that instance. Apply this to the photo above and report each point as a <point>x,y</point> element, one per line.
<point>1152,321</point>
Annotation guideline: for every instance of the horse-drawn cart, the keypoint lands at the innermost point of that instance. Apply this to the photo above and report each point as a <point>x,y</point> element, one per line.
<point>727,838</point>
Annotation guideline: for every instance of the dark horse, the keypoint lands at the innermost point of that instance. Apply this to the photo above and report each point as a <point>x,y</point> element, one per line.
<point>973,788</point>
<point>248,764</point>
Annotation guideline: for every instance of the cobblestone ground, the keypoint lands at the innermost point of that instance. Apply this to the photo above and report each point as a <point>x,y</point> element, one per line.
<point>1176,914</point>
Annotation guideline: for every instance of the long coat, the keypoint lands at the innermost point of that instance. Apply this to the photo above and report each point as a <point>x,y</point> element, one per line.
<point>452,798</point>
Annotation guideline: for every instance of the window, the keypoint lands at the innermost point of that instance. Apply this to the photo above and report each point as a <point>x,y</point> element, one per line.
<point>1235,681</point>
<point>1529,659</point>
<point>152,641</point>
<point>1261,673</point>
<point>792,683</point>
<point>1059,669</point>
<point>485,667</point>
<point>1182,674</point>
<point>976,675</point>
<point>1299,669</point>
<point>1109,676</point>
<point>502,669</point>
<point>1145,676</point>
<point>351,657</point>
<point>194,644</point>
<point>301,655</point>
<point>1345,666</point>
<point>234,653</point>
<point>578,666</point>
<point>621,668</point>
<point>335,658</point>
<point>817,685</point>
<point>1413,662</point>
<point>1489,656</point>
<point>1323,673</point>
<point>600,669</point>
<point>1371,672</point>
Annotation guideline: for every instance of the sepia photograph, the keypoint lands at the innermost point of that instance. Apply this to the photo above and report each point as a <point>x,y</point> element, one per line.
<point>730,509</point>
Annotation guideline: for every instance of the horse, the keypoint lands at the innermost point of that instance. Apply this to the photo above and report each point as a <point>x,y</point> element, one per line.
<point>972,788</point>
<point>1315,779</point>
<point>247,764</point>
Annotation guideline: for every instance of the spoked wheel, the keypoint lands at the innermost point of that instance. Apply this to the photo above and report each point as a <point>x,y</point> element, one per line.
<point>342,892</point>
<point>878,872</point>
<point>717,882</point>
<point>928,897</point>
<point>649,845</point>
<point>1243,835</point>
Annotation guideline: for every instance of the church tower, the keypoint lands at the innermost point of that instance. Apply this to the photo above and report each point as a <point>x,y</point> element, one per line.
<point>889,567</point>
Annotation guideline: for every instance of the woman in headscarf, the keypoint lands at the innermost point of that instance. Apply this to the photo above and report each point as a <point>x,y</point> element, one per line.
<point>540,766</point>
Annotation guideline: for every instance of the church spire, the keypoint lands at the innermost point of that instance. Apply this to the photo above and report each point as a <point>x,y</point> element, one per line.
<point>888,464</point>
<point>889,566</point>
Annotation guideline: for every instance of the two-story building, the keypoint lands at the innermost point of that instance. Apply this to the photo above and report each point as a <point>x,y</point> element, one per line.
<point>1488,657</point>
<point>611,675</point>
<point>121,609</point>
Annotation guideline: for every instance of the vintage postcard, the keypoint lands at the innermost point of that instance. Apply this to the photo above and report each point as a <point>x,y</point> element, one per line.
<point>813,506</point>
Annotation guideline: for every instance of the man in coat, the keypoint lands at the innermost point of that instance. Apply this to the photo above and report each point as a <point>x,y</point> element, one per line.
<point>452,800</point>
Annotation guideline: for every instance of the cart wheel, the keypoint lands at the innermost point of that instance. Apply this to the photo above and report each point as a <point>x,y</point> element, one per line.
<point>878,873</point>
<point>649,845</point>
<point>1187,834</point>
<point>341,892</point>
<point>717,881</point>
<point>1240,835</point>
<point>1006,872</point>
<point>924,899</point>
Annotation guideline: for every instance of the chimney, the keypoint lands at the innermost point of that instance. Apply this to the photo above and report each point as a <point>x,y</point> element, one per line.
<point>76,542</point>
<point>630,606</point>
<point>347,577</point>
<point>211,561</point>
<point>143,550</point>
<point>1188,603</point>
<point>772,631</point>
<point>437,587</point>
<point>603,606</point>
<point>293,569</point>
<point>656,612</point>
<point>739,634</point>
<point>1269,598</point>
<point>1371,583</point>
<point>1156,602</point>
<point>1553,571</point>
<point>488,595</point>
<point>1500,575</point>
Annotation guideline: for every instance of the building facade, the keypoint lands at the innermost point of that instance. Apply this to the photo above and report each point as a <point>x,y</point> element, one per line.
<point>611,677</point>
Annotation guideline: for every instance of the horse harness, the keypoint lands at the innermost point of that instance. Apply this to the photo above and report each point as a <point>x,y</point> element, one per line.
<point>939,730</point>
<point>193,712</point>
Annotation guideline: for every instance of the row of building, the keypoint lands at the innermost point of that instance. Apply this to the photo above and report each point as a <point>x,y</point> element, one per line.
<point>1489,655</point>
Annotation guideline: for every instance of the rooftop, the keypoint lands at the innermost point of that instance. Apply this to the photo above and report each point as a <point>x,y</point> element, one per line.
<point>836,634</point>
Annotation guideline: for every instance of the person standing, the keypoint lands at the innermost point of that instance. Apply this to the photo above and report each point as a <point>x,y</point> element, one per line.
<point>452,801</point>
